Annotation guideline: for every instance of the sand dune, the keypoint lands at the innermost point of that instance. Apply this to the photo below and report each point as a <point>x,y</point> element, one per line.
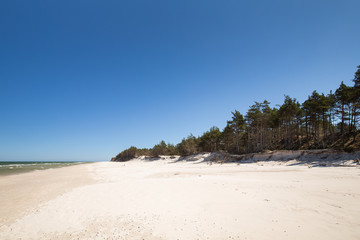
<point>161,199</point>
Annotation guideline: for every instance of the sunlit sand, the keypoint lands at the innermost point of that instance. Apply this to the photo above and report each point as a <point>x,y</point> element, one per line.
<point>183,200</point>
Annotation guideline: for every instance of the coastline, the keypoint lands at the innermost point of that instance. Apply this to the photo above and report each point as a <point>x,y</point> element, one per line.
<point>183,200</point>
<point>19,167</point>
<point>22,192</point>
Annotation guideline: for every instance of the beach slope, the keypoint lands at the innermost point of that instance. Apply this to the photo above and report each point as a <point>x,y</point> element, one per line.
<point>184,200</point>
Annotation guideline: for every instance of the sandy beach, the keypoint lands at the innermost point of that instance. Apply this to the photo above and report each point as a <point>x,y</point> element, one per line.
<point>182,200</point>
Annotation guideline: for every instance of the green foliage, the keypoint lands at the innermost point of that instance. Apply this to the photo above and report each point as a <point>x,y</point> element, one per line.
<point>210,140</point>
<point>258,119</point>
<point>320,121</point>
<point>290,109</point>
<point>188,146</point>
<point>357,78</point>
<point>172,150</point>
<point>289,117</point>
<point>355,94</point>
<point>159,149</point>
<point>126,154</point>
<point>233,134</point>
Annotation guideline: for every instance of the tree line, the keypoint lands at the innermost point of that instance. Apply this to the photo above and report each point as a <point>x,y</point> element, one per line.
<point>321,121</point>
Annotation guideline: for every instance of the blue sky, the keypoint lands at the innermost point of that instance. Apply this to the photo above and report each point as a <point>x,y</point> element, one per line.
<point>83,80</point>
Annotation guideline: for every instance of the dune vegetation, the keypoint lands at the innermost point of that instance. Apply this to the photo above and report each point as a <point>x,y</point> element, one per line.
<point>322,121</point>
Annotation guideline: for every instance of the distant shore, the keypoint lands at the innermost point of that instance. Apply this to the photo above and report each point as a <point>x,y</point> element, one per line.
<point>175,199</point>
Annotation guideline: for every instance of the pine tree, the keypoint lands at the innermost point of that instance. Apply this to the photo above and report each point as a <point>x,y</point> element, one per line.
<point>342,96</point>
<point>237,125</point>
<point>355,98</point>
<point>188,146</point>
<point>159,149</point>
<point>258,122</point>
<point>210,140</point>
<point>288,113</point>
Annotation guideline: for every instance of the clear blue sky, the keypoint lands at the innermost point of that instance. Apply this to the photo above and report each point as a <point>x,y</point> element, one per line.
<point>83,80</point>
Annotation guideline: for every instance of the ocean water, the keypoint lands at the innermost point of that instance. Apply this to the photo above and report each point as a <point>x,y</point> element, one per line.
<point>9,168</point>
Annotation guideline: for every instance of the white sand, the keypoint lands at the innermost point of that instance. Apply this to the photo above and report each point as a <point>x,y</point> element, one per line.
<point>184,200</point>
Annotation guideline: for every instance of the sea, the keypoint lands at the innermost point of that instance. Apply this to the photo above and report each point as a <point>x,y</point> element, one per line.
<point>9,168</point>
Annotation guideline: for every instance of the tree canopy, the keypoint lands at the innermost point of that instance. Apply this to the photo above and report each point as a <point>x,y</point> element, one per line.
<point>321,121</point>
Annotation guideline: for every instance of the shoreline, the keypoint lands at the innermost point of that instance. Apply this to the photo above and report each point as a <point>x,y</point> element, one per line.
<point>22,192</point>
<point>156,200</point>
<point>8,168</point>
